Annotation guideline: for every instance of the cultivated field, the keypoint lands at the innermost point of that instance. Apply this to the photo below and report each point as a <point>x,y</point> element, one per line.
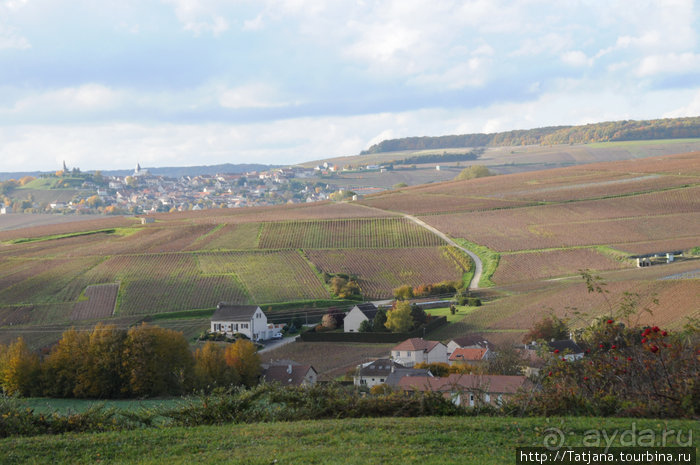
<point>381,271</point>
<point>346,234</point>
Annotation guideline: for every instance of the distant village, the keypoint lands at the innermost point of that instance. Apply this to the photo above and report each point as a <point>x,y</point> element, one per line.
<point>142,192</point>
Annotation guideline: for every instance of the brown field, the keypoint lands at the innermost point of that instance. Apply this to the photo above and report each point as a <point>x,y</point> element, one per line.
<point>310,211</point>
<point>241,236</point>
<point>89,224</point>
<point>101,299</point>
<point>345,234</point>
<point>330,360</point>
<point>21,220</point>
<point>548,264</point>
<point>380,271</point>
<point>667,245</point>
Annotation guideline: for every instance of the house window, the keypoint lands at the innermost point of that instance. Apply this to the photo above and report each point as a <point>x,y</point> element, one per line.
<point>244,325</point>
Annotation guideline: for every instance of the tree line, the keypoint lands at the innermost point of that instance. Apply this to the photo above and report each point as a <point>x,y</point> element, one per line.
<point>611,131</point>
<point>108,363</point>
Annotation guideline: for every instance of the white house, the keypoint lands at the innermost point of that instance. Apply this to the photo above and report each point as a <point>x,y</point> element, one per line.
<point>358,314</point>
<point>417,350</point>
<point>250,320</point>
<point>373,373</point>
<point>469,390</point>
<point>470,341</point>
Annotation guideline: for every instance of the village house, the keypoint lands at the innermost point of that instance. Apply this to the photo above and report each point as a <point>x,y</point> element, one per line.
<point>469,356</point>
<point>469,390</point>
<point>373,373</point>
<point>249,320</point>
<point>471,341</point>
<point>289,373</point>
<point>357,314</point>
<point>417,350</point>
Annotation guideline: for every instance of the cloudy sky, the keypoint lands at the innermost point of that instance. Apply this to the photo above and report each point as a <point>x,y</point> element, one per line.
<point>105,84</point>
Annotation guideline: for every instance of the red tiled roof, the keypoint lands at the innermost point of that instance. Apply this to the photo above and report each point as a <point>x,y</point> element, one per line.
<point>468,355</point>
<point>488,383</point>
<point>280,374</point>
<point>415,344</point>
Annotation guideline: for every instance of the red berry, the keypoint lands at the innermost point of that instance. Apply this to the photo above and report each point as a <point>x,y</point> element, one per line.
<point>646,332</point>
<point>556,351</point>
<point>563,359</point>
<point>611,322</point>
<point>629,359</point>
<point>656,329</point>
<point>654,349</point>
<point>601,346</point>
<point>615,358</point>
<point>644,340</point>
<point>550,373</point>
<point>614,346</point>
<point>585,378</point>
<point>664,333</point>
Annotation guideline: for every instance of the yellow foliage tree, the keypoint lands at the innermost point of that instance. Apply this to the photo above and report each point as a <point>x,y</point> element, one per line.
<point>19,369</point>
<point>242,356</point>
<point>399,319</point>
<point>211,369</point>
<point>64,365</point>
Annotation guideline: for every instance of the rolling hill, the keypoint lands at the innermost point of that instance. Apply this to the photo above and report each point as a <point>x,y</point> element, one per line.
<point>537,229</point>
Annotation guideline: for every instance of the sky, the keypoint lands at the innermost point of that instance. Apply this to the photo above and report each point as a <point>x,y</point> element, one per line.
<point>106,84</point>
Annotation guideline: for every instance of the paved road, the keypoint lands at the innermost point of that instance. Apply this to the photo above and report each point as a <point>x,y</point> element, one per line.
<point>270,345</point>
<point>478,266</point>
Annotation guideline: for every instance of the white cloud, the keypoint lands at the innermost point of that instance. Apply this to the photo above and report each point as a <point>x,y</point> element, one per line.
<point>199,16</point>
<point>256,95</point>
<point>672,63</point>
<point>85,97</point>
<point>254,24</point>
<point>11,39</point>
<point>576,58</point>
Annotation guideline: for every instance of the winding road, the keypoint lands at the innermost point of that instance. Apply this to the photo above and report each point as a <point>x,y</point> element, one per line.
<point>478,266</point>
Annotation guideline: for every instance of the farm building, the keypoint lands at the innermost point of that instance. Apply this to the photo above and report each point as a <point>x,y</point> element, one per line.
<point>249,320</point>
<point>358,314</point>
<point>417,350</point>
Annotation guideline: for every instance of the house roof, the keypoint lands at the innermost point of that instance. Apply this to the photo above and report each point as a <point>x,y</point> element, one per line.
<point>382,367</point>
<point>401,373</point>
<point>499,384</point>
<point>468,355</point>
<point>471,340</point>
<point>417,343</point>
<point>565,345</point>
<point>368,308</point>
<point>233,312</point>
<point>287,375</point>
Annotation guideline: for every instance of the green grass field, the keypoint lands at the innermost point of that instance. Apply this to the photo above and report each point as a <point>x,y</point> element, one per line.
<point>425,441</point>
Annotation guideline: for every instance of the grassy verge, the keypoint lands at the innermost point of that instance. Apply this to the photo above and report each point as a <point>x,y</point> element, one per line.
<point>425,441</point>
<point>462,311</point>
<point>65,406</point>
<point>62,236</point>
<point>489,259</point>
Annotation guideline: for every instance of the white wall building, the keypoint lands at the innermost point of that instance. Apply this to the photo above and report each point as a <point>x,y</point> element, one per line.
<point>250,320</point>
<point>417,350</point>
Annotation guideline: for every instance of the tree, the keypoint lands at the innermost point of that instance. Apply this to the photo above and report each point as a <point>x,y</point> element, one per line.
<point>328,321</point>
<point>102,373</point>
<point>379,321</point>
<point>548,328</point>
<point>404,292</point>
<point>399,319</point>
<point>473,172</point>
<point>505,360</point>
<point>211,369</point>
<point>365,326</point>
<point>157,361</point>
<point>19,369</point>
<point>418,315</point>
<point>65,363</point>
<point>243,357</point>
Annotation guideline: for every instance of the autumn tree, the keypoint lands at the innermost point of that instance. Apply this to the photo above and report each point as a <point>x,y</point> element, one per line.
<point>243,357</point>
<point>404,292</point>
<point>102,373</point>
<point>19,369</point>
<point>399,319</point>
<point>157,361</point>
<point>211,369</point>
<point>473,172</point>
<point>548,328</point>
<point>505,360</point>
<point>379,321</point>
<point>65,363</point>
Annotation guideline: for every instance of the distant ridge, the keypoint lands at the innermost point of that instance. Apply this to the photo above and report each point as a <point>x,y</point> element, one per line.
<point>669,128</point>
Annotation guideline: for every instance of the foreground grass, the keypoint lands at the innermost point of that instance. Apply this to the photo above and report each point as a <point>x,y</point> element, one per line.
<point>66,406</point>
<point>431,440</point>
